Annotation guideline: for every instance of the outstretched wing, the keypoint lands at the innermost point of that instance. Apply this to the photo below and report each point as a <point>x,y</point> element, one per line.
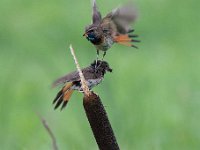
<point>122,17</point>
<point>96,15</point>
<point>117,24</point>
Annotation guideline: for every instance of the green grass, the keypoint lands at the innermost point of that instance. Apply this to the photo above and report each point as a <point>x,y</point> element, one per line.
<point>152,97</point>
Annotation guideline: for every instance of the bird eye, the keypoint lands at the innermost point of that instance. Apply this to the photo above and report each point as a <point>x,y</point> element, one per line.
<point>91,30</point>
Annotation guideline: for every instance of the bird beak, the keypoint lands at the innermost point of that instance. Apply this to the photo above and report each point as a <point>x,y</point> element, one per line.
<point>85,34</point>
<point>109,69</point>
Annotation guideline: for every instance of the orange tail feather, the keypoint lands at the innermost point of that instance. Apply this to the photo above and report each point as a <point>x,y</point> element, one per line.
<point>67,95</point>
<point>63,96</point>
<point>123,38</point>
<point>126,40</point>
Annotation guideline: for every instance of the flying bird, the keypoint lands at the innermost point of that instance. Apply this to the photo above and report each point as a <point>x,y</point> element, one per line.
<point>93,76</point>
<point>113,28</point>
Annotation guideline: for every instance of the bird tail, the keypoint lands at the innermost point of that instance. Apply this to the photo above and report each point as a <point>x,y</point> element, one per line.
<point>126,39</point>
<point>63,96</point>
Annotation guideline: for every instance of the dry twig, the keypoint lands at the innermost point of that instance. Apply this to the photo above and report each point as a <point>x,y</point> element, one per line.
<point>83,82</point>
<point>46,126</point>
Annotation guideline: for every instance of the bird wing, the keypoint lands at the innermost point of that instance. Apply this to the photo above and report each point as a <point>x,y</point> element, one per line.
<point>74,76</point>
<point>88,73</point>
<point>122,17</point>
<point>96,15</point>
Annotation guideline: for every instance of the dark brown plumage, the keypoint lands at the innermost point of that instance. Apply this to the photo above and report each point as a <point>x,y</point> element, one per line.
<point>93,75</point>
<point>113,28</point>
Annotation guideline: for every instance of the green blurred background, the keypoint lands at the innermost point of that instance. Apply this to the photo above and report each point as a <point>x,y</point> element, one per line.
<point>152,97</point>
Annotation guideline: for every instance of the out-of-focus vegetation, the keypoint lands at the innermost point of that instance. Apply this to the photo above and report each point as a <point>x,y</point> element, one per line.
<point>152,97</point>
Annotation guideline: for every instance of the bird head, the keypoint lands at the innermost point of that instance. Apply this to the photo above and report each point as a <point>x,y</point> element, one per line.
<point>100,65</point>
<point>92,35</point>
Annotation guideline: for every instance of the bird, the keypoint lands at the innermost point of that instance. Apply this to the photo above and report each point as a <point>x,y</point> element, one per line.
<point>113,28</point>
<point>71,82</point>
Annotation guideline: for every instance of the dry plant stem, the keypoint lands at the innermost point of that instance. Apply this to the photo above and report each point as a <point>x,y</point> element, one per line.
<point>46,126</point>
<point>99,123</point>
<point>83,82</point>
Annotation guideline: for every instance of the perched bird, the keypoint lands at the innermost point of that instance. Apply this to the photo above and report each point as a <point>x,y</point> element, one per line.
<point>113,28</point>
<point>93,76</point>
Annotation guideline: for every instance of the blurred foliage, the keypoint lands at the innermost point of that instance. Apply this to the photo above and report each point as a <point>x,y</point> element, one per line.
<point>152,97</point>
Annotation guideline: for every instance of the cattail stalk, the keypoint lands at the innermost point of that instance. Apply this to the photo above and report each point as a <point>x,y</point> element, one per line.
<point>99,122</point>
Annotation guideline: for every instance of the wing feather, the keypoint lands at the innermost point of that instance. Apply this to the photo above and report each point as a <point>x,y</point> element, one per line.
<point>74,76</point>
<point>122,17</point>
<point>96,15</point>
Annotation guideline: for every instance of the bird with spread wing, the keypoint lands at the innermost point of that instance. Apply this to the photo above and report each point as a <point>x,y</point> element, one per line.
<point>113,28</point>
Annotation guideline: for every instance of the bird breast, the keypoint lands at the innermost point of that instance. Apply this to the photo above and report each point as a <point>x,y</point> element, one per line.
<point>107,43</point>
<point>91,83</point>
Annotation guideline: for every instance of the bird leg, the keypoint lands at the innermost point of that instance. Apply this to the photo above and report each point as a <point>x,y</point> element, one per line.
<point>104,54</point>
<point>97,58</point>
